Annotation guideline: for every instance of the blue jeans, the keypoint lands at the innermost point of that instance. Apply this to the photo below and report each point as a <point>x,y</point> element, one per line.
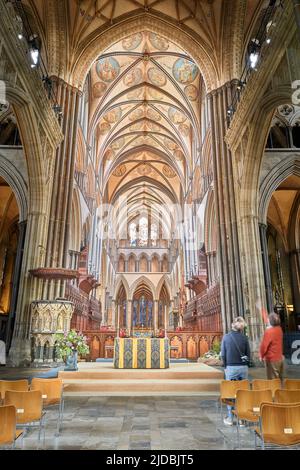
<point>235,373</point>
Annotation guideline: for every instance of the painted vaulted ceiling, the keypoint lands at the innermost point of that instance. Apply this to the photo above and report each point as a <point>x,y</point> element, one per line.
<point>144,112</point>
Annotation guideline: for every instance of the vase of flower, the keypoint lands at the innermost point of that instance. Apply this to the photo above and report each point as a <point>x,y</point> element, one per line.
<point>71,361</point>
<point>69,345</point>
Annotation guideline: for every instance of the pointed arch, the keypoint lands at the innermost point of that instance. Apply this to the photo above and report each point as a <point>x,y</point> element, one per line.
<point>163,281</point>
<point>94,45</point>
<point>140,281</point>
<point>121,281</point>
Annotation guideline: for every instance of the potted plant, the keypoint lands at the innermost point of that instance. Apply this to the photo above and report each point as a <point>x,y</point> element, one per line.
<point>69,345</point>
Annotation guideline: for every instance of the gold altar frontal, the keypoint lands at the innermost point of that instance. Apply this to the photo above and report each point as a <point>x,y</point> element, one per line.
<point>141,353</point>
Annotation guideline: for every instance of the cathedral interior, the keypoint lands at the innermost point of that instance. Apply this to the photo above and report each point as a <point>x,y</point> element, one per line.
<point>149,171</point>
<point>149,177</point>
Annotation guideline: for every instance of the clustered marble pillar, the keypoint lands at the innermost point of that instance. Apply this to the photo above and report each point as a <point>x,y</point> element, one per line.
<point>295,276</point>
<point>61,203</point>
<point>266,266</point>
<point>297,13</point>
<point>225,205</point>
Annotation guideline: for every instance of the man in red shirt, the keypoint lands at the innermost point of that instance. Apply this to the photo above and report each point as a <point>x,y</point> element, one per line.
<point>271,348</point>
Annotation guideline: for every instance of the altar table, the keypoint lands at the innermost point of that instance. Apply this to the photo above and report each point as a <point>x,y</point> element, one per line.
<point>141,353</point>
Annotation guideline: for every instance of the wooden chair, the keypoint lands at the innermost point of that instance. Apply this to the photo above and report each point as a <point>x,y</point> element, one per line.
<point>8,432</point>
<point>52,394</point>
<point>292,384</point>
<point>279,425</point>
<point>29,407</point>
<point>287,396</point>
<point>247,406</point>
<point>261,384</point>
<point>17,385</point>
<point>228,390</point>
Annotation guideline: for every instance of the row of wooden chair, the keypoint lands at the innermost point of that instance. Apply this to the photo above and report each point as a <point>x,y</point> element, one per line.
<point>228,388</point>
<point>30,401</point>
<point>279,425</point>
<point>247,403</point>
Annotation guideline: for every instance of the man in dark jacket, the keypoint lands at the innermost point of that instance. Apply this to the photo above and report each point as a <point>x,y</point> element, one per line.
<point>235,352</point>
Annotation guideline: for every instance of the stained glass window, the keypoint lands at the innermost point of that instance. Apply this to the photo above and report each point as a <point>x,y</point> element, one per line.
<point>154,234</point>
<point>143,231</point>
<point>143,311</point>
<point>135,312</point>
<point>132,234</point>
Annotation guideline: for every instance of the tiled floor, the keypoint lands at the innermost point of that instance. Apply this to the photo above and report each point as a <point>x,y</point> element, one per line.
<point>139,423</point>
<point>136,423</point>
<point>133,423</point>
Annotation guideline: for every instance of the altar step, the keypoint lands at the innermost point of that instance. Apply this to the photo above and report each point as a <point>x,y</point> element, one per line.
<point>176,381</point>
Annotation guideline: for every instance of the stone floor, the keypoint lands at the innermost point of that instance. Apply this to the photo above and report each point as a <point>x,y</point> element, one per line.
<point>140,423</point>
<point>133,423</point>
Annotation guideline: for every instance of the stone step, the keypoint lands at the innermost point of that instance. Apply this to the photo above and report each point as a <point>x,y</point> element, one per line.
<point>141,385</point>
<point>136,374</point>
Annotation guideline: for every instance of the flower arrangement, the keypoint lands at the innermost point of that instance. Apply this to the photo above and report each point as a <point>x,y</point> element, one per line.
<point>68,343</point>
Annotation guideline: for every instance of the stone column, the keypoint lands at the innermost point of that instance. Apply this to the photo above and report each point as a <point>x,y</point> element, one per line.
<point>297,13</point>
<point>295,276</point>
<point>254,291</point>
<point>165,319</point>
<point>16,282</point>
<point>232,301</point>
<point>129,316</point>
<point>61,204</point>
<point>155,315</point>
<point>266,266</point>
<point>118,311</point>
<point>113,313</point>
<point>109,310</point>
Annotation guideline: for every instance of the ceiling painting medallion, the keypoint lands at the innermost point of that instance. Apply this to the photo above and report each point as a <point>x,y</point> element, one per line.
<point>132,42</point>
<point>99,89</point>
<point>154,115</point>
<point>157,77</point>
<point>158,42</point>
<point>191,92</point>
<point>155,94</point>
<point>178,154</point>
<point>134,77</point>
<point>120,171</point>
<point>176,116</point>
<point>135,94</point>
<point>117,144</point>
<point>185,71</point>
<point>184,130</point>
<point>108,69</point>
<point>168,171</point>
<point>170,144</point>
<point>113,116</point>
<point>136,114</point>
<point>104,128</point>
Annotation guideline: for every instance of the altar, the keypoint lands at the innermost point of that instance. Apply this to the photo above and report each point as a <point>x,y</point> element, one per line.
<point>141,353</point>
